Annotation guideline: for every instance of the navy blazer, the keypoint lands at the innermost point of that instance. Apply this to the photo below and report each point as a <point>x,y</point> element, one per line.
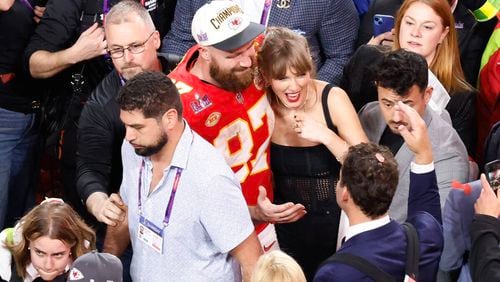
<point>385,246</point>
<point>330,26</point>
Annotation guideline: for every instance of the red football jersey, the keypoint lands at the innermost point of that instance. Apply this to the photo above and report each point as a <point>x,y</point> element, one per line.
<point>239,125</point>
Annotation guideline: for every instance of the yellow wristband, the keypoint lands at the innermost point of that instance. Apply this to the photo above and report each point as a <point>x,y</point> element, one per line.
<point>488,11</point>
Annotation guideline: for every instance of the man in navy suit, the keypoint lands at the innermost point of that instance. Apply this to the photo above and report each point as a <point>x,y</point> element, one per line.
<point>367,184</point>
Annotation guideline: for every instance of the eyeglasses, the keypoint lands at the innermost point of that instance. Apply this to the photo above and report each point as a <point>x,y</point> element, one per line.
<point>134,48</point>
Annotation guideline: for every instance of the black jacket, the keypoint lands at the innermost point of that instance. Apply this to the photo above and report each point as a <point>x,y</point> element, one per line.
<point>485,253</point>
<point>100,136</point>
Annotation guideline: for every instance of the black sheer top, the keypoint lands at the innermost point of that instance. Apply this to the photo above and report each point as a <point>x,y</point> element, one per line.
<point>306,175</point>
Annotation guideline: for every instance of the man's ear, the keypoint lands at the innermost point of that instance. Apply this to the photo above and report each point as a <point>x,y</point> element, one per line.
<point>205,53</point>
<point>170,118</point>
<point>428,94</point>
<point>156,40</point>
<point>345,195</point>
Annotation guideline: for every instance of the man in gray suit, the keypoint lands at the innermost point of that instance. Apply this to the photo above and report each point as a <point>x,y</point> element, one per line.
<point>402,76</point>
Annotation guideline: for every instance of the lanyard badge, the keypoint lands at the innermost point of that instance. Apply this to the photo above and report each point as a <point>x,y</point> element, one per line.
<point>150,234</point>
<point>147,231</point>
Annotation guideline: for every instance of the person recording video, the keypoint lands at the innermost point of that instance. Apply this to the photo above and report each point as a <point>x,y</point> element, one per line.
<point>485,234</point>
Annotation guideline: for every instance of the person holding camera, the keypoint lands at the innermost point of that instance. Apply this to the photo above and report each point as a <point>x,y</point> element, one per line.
<point>67,49</point>
<point>485,234</point>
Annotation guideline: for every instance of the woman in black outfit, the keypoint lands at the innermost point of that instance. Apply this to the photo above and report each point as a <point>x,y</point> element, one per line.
<point>315,124</point>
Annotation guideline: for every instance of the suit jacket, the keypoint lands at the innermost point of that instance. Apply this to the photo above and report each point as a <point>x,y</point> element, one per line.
<point>450,156</point>
<point>385,246</point>
<point>457,219</point>
<point>330,26</point>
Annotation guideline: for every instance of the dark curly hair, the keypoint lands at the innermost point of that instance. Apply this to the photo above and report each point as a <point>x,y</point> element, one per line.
<point>153,93</point>
<point>370,174</point>
<point>399,70</point>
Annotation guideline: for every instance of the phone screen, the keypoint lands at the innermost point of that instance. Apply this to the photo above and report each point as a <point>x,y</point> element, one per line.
<point>382,23</point>
<point>492,171</point>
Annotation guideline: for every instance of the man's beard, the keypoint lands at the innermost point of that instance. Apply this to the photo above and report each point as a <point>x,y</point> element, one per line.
<point>129,71</point>
<point>147,151</point>
<point>234,80</point>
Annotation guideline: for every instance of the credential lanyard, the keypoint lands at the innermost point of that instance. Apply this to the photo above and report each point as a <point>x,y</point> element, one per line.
<point>27,3</point>
<point>265,12</point>
<point>170,204</point>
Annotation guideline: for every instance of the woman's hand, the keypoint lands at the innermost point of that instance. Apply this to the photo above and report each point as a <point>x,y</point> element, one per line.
<point>386,39</point>
<point>310,129</point>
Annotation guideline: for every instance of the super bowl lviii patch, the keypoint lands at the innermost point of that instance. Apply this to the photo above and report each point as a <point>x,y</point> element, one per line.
<point>200,103</point>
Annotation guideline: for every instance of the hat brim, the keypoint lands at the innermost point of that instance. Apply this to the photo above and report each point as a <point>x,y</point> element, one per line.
<point>248,34</point>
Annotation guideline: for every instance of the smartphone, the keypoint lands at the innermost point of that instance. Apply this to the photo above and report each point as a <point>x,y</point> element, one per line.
<point>382,23</point>
<point>492,171</point>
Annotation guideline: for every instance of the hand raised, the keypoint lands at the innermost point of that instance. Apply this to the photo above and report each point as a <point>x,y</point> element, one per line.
<point>90,44</point>
<point>415,134</point>
<point>386,39</point>
<point>488,203</point>
<point>309,128</point>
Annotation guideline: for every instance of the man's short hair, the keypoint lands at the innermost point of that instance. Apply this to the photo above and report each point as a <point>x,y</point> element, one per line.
<point>399,70</point>
<point>121,12</point>
<point>370,174</point>
<point>153,93</point>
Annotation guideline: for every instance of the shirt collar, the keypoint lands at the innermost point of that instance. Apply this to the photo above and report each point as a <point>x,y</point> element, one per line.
<point>32,272</point>
<point>366,226</point>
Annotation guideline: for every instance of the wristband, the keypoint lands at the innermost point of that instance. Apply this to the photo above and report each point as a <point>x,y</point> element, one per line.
<point>488,11</point>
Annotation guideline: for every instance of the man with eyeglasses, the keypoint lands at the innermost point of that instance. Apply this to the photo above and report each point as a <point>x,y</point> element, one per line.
<point>132,42</point>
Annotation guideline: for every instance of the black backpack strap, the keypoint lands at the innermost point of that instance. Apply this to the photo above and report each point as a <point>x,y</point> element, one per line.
<point>362,265</point>
<point>412,250</point>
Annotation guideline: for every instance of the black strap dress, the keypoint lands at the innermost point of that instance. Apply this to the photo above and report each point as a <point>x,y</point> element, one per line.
<point>308,175</point>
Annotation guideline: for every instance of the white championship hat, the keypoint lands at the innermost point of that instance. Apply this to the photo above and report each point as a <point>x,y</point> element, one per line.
<point>223,25</point>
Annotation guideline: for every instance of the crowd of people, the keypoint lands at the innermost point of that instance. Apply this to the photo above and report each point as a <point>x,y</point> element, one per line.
<point>265,140</point>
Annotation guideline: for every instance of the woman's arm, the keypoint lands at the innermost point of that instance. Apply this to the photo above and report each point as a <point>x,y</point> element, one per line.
<point>345,118</point>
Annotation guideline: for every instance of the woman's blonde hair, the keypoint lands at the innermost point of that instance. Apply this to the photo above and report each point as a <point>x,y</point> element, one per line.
<point>58,221</point>
<point>446,63</point>
<point>276,266</point>
<point>281,49</point>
